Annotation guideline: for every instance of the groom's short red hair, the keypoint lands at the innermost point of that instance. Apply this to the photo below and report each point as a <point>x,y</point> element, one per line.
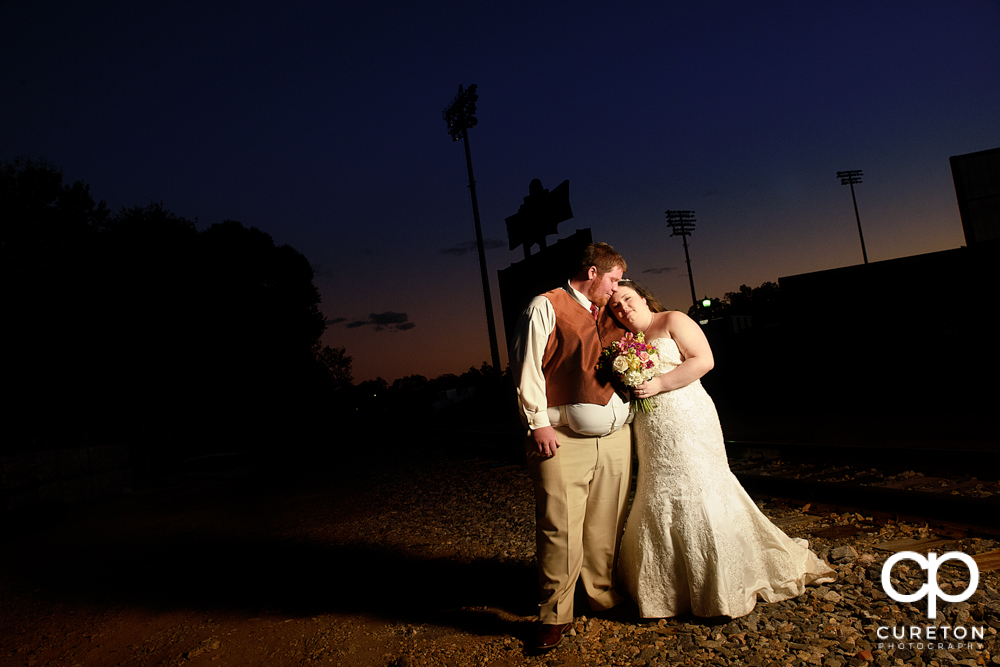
<point>603,257</point>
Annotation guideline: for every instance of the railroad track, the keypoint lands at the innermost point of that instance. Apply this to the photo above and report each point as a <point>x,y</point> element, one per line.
<point>952,487</point>
<point>957,488</point>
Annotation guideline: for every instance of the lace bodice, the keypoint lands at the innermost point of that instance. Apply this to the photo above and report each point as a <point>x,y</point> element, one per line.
<point>670,355</point>
<point>670,358</point>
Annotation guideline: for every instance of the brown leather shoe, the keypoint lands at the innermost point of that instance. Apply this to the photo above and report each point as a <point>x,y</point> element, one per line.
<point>550,635</point>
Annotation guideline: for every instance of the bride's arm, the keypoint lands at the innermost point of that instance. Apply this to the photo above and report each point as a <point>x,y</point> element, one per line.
<point>695,351</point>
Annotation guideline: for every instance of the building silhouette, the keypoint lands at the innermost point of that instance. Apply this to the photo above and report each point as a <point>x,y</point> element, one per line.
<point>977,188</point>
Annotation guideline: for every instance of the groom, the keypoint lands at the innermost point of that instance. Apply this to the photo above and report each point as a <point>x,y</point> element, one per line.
<point>578,447</point>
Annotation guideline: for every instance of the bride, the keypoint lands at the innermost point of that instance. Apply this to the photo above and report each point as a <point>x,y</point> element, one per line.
<point>694,540</point>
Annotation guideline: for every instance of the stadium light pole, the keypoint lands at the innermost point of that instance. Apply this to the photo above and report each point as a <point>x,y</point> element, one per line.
<point>850,178</point>
<point>682,224</point>
<point>460,116</point>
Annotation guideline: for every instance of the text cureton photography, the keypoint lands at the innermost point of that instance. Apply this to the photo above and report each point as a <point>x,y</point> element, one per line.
<point>930,637</point>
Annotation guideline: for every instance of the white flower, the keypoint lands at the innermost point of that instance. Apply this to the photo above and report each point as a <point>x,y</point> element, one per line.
<point>633,378</point>
<point>620,364</point>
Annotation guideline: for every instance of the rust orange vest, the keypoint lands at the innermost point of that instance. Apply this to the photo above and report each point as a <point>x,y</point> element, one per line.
<point>572,352</point>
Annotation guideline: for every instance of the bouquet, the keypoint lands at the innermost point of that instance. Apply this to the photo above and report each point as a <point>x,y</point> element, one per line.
<point>633,361</point>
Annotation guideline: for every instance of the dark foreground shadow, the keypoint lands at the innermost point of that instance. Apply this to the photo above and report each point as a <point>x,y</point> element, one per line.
<point>274,576</point>
<point>217,546</point>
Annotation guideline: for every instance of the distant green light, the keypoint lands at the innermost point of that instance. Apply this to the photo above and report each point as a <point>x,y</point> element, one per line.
<point>705,303</point>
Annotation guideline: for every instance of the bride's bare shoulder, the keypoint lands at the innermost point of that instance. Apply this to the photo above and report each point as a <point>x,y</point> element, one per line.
<point>675,317</point>
<point>670,322</point>
<point>662,324</point>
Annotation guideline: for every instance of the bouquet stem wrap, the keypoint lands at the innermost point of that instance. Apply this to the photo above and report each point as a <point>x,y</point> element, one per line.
<point>642,404</point>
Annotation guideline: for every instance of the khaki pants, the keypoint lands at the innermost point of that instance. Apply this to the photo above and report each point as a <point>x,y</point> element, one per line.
<point>580,497</point>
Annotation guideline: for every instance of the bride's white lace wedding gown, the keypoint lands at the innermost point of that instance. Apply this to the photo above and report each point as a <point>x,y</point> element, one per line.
<point>694,540</point>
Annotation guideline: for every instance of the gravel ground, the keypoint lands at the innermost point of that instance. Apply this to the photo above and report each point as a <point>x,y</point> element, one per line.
<point>423,557</point>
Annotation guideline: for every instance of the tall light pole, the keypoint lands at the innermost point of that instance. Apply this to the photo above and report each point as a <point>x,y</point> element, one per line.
<point>682,224</point>
<point>850,178</point>
<point>460,116</point>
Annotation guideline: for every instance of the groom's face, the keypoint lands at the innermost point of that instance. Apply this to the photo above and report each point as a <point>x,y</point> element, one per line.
<point>604,286</point>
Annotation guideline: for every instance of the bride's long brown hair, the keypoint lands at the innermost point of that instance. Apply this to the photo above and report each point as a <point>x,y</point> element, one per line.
<point>651,301</point>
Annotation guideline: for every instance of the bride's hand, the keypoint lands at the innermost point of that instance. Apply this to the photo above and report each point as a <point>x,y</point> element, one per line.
<point>648,389</point>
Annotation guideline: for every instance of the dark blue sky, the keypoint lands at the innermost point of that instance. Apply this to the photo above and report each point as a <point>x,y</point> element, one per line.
<point>320,123</point>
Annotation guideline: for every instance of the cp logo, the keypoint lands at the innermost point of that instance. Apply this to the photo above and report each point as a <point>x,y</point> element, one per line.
<point>930,590</point>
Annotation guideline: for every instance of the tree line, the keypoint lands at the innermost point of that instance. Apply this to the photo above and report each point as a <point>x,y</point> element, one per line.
<point>763,303</point>
<point>135,326</point>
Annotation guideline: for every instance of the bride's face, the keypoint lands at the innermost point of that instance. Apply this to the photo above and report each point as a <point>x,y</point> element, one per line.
<point>630,308</point>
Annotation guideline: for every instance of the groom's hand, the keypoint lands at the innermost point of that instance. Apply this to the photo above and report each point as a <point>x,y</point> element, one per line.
<point>546,441</point>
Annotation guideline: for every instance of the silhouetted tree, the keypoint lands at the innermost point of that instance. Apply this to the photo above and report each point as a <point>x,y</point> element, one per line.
<point>139,321</point>
<point>766,303</point>
<point>45,228</point>
<point>739,303</point>
<point>760,302</point>
<point>337,364</point>
<point>136,326</point>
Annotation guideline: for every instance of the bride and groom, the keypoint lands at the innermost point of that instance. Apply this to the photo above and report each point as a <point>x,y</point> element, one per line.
<point>693,541</point>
